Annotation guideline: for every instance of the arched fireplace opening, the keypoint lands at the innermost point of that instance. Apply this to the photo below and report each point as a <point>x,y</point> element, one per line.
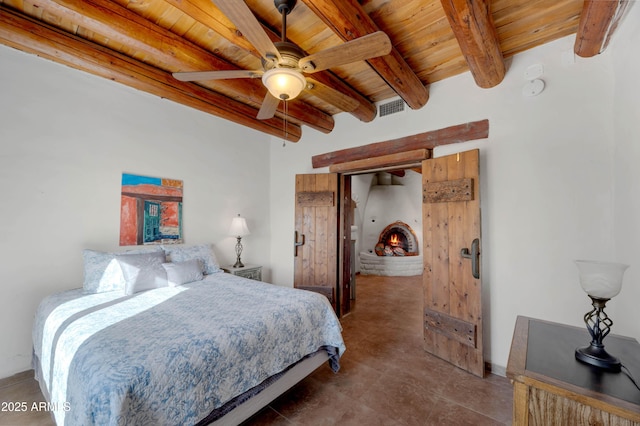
<point>397,239</point>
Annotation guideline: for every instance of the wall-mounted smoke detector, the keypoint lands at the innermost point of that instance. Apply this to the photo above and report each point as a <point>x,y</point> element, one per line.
<point>392,107</point>
<point>533,88</point>
<point>535,84</point>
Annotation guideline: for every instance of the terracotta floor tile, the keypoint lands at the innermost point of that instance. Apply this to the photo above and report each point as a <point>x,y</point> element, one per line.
<point>388,378</point>
<point>448,413</point>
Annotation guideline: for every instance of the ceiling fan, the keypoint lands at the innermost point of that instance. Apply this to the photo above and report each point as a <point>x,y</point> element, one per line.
<point>283,63</point>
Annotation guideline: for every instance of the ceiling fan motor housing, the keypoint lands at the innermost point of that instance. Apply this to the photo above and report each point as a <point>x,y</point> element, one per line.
<point>290,54</point>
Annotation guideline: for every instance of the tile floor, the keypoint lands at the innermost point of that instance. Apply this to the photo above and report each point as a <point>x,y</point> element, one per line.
<point>385,378</point>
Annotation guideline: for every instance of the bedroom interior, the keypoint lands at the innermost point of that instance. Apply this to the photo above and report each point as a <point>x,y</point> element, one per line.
<point>557,177</point>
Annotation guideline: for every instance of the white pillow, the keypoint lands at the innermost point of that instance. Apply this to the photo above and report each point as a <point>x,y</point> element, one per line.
<point>102,272</point>
<point>204,252</point>
<point>143,271</point>
<point>179,273</point>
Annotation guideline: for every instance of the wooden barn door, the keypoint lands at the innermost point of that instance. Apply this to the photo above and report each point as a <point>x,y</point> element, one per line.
<point>451,279</point>
<point>319,233</point>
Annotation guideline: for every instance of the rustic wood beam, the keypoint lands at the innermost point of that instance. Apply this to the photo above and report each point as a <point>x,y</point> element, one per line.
<point>477,37</point>
<point>29,35</point>
<point>366,110</point>
<point>399,173</point>
<point>348,20</point>
<point>427,140</point>
<point>172,51</point>
<point>205,12</point>
<point>408,158</point>
<point>598,22</point>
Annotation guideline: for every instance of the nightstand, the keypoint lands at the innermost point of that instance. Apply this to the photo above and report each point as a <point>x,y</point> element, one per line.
<point>253,272</point>
<point>551,387</point>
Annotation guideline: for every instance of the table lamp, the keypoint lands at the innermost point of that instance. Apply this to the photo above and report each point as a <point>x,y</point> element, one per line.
<point>601,281</point>
<point>238,229</point>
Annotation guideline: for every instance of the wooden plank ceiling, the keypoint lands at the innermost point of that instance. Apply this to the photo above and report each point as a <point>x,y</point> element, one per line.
<point>141,42</point>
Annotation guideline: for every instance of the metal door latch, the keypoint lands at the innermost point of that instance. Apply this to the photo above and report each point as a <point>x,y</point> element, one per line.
<point>474,256</point>
<point>297,243</point>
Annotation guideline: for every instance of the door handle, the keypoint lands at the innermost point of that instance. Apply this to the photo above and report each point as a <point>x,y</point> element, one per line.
<point>474,255</point>
<point>297,243</point>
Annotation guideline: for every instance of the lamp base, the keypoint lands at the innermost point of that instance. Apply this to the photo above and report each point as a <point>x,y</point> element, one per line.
<point>599,357</point>
<point>238,264</point>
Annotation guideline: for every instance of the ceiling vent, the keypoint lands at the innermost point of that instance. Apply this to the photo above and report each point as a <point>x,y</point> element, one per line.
<point>390,108</point>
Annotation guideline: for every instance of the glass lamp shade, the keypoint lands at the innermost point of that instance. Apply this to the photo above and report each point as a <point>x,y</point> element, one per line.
<point>284,83</point>
<point>601,280</point>
<point>238,227</point>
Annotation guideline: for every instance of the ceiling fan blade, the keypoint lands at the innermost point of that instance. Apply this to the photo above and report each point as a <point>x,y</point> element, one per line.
<point>216,75</point>
<point>243,18</point>
<point>332,96</point>
<point>360,49</point>
<point>269,107</point>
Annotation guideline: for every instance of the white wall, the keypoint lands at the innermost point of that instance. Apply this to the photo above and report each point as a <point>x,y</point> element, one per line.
<point>548,169</point>
<point>626,118</point>
<point>65,139</point>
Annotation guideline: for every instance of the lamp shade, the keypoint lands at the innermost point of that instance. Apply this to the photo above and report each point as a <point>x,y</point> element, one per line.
<point>284,83</point>
<point>238,227</point>
<point>602,280</point>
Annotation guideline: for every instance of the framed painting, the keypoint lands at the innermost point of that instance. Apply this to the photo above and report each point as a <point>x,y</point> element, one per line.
<point>150,210</point>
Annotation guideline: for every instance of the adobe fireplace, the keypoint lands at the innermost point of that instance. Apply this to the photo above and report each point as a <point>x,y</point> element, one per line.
<point>397,239</point>
<point>396,253</point>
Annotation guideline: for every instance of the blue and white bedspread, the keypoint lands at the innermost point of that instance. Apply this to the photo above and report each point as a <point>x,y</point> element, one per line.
<point>171,355</point>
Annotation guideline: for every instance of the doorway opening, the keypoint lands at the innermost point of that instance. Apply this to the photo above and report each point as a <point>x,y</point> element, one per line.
<point>387,224</point>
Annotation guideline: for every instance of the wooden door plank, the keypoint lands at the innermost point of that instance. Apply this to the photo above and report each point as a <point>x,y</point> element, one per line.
<point>458,266</point>
<point>451,190</point>
<point>309,226</point>
<point>345,255</point>
<point>321,236</point>
<point>298,259</point>
<point>474,286</point>
<point>438,296</point>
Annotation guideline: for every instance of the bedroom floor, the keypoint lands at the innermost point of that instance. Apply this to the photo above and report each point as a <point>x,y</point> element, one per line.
<point>385,378</point>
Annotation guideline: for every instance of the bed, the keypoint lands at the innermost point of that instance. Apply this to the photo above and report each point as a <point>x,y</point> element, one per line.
<point>212,350</point>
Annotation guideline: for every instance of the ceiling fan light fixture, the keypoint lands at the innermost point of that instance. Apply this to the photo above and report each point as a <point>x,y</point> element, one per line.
<point>284,83</point>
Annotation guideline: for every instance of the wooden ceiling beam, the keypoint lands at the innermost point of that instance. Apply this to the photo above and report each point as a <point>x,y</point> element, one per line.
<point>205,12</point>
<point>598,21</point>
<point>118,23</point>
<point>427,140</point>
<point>26,34</point>
<point>390,161</point>
<point>477,37</point>
<point>349,20</point>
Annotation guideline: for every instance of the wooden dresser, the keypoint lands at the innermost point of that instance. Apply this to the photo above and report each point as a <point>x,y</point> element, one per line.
<point>551,387</point>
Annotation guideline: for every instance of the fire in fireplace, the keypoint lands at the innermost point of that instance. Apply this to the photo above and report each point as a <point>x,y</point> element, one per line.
<point>397,239</point>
